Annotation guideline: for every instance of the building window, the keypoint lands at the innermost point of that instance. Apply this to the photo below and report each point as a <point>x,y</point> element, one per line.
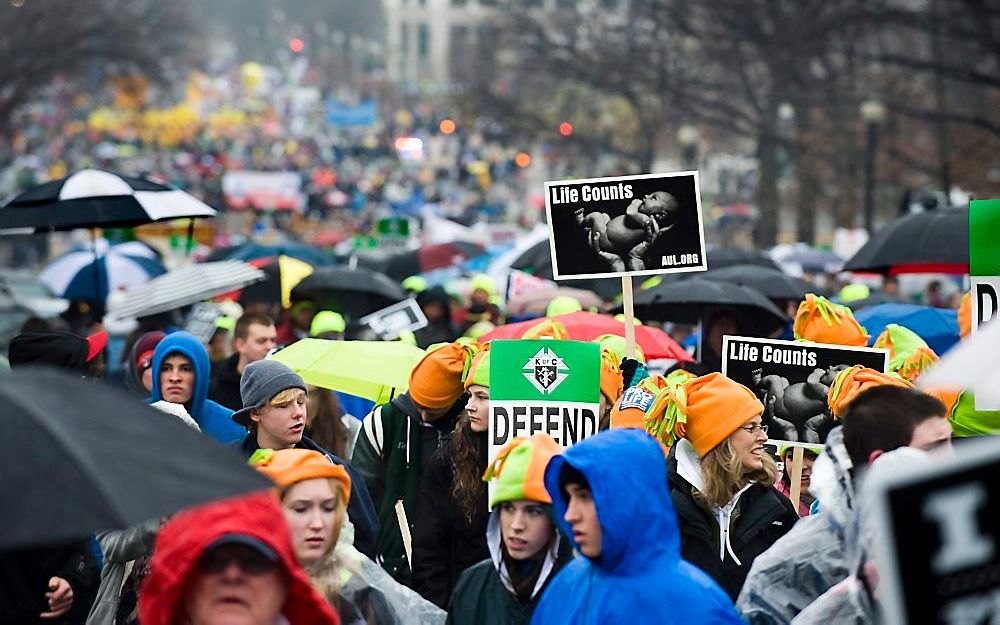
<point>423,41</point>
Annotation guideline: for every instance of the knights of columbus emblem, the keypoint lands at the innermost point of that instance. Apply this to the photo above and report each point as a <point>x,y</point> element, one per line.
<point>545,370</point>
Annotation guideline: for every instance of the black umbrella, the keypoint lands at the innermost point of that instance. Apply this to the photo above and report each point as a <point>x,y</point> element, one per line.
<point>874,299</point>
<point>351,292</point>
<point>94,198</point>
<point>82,457</point>
<point>774,284</point>
<point>537,260</point>
<point>694,299</point>
<point>719,257</point>
<point>935,241</point>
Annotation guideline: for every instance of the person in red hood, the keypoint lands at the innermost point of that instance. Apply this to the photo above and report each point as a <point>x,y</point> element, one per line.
<point>229,561</point>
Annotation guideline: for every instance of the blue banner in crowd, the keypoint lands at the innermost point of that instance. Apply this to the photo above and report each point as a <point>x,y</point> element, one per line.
<point>340,114</point>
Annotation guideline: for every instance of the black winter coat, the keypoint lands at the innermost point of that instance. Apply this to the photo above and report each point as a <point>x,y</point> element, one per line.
<point>24,579</point>
<point>224,387</point>
<point>445,542</point>
<point>762,516</point>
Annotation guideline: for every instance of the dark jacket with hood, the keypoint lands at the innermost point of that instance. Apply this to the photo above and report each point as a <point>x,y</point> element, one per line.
<point>724,542</point>
<point>442,330</point>
<point>24,580</point>
<point>392,451</point>
<point>225,386</point>
<point>214,420</point>
<point>445,542</point>
<point>639,577</point>
<point>360,509</point>
<point>133,379</point>
<point>485,594</point>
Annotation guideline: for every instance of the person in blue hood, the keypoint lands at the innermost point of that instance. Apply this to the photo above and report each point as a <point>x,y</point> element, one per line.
<point>181,375</point>
<point>609,494</point>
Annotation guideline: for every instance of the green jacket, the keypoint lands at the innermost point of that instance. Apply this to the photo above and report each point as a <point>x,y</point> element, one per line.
<point>389,455</point>
<point>480,596</point>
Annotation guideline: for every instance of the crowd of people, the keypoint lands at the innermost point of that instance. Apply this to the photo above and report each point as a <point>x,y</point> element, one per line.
<point>675,511</point>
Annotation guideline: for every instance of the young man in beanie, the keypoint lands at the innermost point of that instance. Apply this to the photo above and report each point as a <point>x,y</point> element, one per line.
<point>399,438</point>
<point>253,337</point>
<point>274,412</point>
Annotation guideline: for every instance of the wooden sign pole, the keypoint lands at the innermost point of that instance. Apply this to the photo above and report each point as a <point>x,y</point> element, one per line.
<point>796,477</point>
<point>629,317</point>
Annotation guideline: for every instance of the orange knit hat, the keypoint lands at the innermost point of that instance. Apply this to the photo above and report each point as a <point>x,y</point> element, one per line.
<point>286,467</point>
<point>635,408</point>
<point>611,377</point>
<point>850,383</point>
<point>965,315</point>
<point>715,408</point>
<point>519,469</point>
<point>437,381</point>
<point>821,321</point>
<point>547,329</point>
<point>948,397</point>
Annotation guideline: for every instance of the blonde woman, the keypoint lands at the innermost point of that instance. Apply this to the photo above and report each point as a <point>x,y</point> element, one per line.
<point>314,495</point>
<point>721,478</point>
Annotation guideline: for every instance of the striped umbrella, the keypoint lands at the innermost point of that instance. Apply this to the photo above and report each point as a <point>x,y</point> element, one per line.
<point>125,266</point>
<point>94,198</point>
<point>186,286</point>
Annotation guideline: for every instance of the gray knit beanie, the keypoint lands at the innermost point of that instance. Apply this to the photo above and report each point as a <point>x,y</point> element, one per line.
<point>261,381</point>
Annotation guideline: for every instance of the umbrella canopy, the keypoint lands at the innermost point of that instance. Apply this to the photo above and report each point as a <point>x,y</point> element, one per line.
<point>281,274</point>
<point>774,284</point>
<point>537,261</point>
<point>125,266</point>
<point>374,370</point>
<point>537,302</point>
<point>801,258</point>
<point>873,300</point>
<point>587,326</point>
<point>934,241</point>
<point>719,257</point>
<point>351,292</point>
<point>185,286</point>
<point>937,326</point>
<point>84,457</point>
<point>692,300</point>
<point>251,250</point>
<point>430,257</point>
<point>94,198</point>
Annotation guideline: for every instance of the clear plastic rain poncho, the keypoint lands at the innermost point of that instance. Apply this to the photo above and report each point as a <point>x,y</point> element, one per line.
<point>363,593</point>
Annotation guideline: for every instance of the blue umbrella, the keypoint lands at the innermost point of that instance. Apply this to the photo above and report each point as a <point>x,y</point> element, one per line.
<point>251,250</point>
<point>937,326</point>
<point>126,266</point>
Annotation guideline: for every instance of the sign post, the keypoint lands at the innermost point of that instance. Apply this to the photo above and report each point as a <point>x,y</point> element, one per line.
<point>543,387</point>
<point>626,226</point>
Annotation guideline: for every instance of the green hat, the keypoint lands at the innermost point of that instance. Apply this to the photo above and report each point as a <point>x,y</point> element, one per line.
<point>479,370</point>
<point>519,470</point>
<point>967,421</point>
<point>225,322</point>
<point>327,321</point>
<point>813,450</point>
<point>484,282</point>
<point>854,292</point>
<point>616,345</point>
<point>415,284</point>
<point>563,305</point>
<point>621,317</point>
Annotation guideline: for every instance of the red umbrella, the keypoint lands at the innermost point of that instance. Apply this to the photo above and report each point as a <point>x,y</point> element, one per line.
<point>587,326</point>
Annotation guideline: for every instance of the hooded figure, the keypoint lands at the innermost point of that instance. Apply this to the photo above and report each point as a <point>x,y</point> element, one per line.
<point>851,600</point>
<point>437,308</point>
<point>811,558</point>
<point>213,419</point>
<point>504,589</point>
<point>140,360</point>
<point>254,520</point>
<point>639,577</point>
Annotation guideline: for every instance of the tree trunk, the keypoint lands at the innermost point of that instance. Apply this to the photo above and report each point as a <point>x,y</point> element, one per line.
<point>766,232</point>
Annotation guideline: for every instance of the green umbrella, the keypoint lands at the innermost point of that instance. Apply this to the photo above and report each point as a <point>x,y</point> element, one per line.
<point>374,370</point>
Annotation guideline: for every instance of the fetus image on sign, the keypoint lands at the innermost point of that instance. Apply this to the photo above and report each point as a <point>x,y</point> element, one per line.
<point>797,411</point>
<point>624,240</point>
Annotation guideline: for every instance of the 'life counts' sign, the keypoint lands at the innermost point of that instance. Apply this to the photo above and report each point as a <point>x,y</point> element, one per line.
<point>543,387</point>
<point>938,554</point>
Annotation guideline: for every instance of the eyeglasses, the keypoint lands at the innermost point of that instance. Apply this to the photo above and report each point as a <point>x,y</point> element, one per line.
<point>753,429</point>
<point>250,561</point>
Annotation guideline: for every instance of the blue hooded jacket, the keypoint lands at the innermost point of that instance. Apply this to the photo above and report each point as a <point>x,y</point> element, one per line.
<point>213,419</point>
<point>640,577</point>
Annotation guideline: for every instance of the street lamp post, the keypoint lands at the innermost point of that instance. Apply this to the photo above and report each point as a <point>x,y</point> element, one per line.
<point>873,113</point>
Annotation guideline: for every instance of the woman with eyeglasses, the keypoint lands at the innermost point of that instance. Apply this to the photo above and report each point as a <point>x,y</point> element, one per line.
<point>721,478</point>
